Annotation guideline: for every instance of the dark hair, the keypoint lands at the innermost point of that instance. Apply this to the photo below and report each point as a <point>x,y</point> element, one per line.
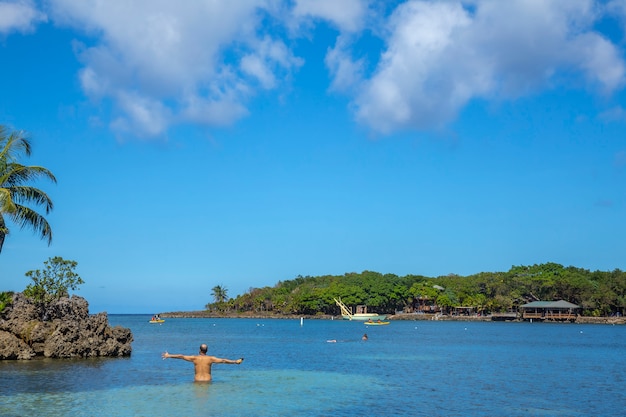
<point>203,348</point>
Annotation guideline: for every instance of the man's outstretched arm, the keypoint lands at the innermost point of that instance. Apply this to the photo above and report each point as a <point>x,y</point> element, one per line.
<point>228,361</point>
<point>166,355</point>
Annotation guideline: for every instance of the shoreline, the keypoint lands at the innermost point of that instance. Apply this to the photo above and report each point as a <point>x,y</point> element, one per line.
<point>396,317</point>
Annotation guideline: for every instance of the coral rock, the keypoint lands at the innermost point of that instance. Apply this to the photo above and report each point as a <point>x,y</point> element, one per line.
<point>62,329</point>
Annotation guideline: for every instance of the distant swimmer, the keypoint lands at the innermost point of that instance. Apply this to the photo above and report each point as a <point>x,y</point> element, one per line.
<point>202,363</point>
<point>364,337</point>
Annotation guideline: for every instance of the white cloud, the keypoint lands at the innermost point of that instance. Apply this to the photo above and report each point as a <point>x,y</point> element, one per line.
<point>267,58</point>
<point>19,16</point>
<point>345,71</point>
<point>191,57</point>
<point>599,60</point>
<point>142,116</point>
<point>346,15</point>
<point>415,85</point>
<point>617,8</point>
<point>441,55</point>
<point>161,63</point>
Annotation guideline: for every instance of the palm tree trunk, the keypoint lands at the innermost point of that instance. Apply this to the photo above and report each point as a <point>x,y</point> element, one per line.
<point>2,232</point>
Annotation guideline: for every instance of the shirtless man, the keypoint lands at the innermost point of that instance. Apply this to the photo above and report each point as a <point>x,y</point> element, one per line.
<point>202,362</point>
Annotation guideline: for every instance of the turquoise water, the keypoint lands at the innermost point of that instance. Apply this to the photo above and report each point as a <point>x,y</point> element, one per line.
<point>407,368</point>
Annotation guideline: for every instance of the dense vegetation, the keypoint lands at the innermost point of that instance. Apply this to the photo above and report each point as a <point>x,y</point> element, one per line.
<point>599,293</point>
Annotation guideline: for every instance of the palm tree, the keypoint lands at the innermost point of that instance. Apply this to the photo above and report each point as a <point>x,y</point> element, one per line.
<point>220,294</point>
<point>14,191</point>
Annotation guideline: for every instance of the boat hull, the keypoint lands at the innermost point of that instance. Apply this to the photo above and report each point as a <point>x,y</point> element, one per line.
<point>364,317</point>
<point>376,323</point>
<point>156,321</point>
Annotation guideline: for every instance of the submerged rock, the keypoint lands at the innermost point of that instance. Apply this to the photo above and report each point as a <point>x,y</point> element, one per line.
<point>64,329</point>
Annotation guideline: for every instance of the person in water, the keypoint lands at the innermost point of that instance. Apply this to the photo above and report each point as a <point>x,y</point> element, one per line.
<point>202,362</point>
<point>364,337</point>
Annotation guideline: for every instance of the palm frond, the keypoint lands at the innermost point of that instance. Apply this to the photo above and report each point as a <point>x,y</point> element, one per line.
<point>14,145</point>
<point>24,194</point>
<point>26,217</point>
<point>16,174</point>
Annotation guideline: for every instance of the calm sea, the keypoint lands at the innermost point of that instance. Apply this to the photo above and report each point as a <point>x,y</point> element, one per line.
<point>404,369</point>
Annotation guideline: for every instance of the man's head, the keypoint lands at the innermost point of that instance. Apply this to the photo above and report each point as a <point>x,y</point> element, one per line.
<point>204,348</point>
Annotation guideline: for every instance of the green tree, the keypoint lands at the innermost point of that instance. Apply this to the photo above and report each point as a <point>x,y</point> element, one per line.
<point>423,294</point>
<point>14,188</point>
<point>220,294</point>
<point>446,301</point>
<point>53,282</point>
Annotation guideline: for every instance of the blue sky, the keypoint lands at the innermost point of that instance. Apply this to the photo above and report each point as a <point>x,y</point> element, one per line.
<point>245,143</point>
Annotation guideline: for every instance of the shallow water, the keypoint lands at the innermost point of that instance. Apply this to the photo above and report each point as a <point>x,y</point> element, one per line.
<point>407,368</point>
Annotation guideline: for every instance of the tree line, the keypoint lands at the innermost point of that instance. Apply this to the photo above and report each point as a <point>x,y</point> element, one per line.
<point>599,293</point>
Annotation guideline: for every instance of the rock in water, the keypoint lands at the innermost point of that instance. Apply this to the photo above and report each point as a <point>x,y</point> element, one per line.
<point>63,329</point>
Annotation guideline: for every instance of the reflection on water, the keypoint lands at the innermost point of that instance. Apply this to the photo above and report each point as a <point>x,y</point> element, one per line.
<point>406,368</point>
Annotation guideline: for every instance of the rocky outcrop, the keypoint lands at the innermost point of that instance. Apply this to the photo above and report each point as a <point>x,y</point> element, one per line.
<point>64,329</point>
